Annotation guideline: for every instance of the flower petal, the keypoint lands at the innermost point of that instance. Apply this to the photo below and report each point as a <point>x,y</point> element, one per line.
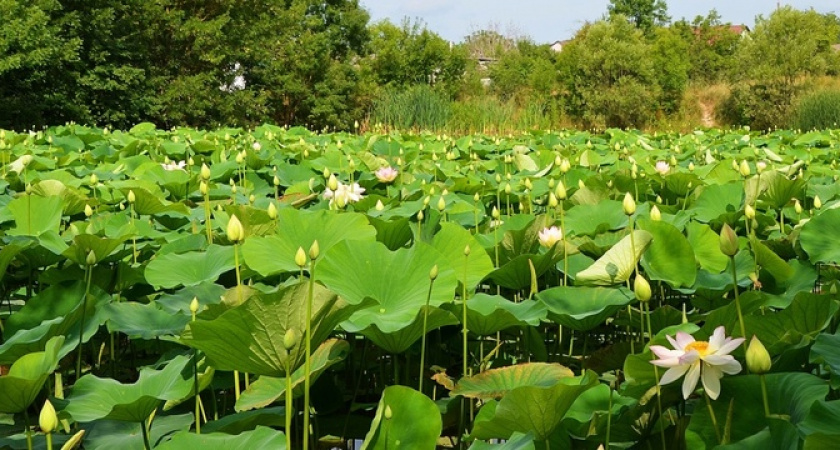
<point>711,381</point>
<point>690,357</point>
<point>729,346</point>
<point>717,339</point>
<point>691,378</point>
<point>673,374</point>
<point>684,339</point>
<point>669,362</point>
<point>665,352</point>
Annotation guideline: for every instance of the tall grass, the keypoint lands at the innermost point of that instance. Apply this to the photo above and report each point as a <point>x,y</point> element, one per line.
<point>418,107</point>
<point>819,110</point>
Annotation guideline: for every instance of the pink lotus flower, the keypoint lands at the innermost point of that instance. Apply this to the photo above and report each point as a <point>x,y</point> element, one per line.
<point>695,358</point>
<point>386,174</point>
<point>662,167</point>
<point>550,236</point>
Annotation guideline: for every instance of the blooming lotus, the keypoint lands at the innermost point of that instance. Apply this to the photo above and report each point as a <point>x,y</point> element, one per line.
<point>550,236</point>
<point>386,174</point>
<point>344,194</point>
<point>696,359</point>
<point>662,167</point>
<point>175,166</point>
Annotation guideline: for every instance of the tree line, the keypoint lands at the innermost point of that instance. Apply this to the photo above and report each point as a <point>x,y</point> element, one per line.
<point>323,64</point>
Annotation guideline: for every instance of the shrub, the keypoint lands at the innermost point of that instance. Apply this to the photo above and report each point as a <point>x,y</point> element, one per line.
<point>819,110</point>
<point>761,105</point>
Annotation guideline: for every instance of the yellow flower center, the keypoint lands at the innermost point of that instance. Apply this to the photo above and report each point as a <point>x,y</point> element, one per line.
<point>701,347</point>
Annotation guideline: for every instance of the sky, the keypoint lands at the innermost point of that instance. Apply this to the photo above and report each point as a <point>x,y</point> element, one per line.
<point>546,21</point>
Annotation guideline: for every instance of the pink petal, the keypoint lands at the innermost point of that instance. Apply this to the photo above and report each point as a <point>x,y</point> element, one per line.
<point>684,339</point>
<point>665,352</point>
<point>729,346</point>
<point>670,362</point>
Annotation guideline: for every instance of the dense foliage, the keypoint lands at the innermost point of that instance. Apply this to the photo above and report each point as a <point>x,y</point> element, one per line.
<point>413,290</point>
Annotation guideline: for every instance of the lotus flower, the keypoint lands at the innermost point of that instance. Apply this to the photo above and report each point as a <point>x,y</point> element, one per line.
<point>175,166</point>
<point>662,167</point>
<point>695,358</point>
<point>550,236</point>
<point>386,174</point>
<point>344,194</point>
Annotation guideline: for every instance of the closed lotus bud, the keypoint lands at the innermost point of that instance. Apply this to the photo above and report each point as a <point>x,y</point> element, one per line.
<point>817,202</point>
<point>48,420</point>
<point>476,197</point>
<point>744,168</point>
<point>93,179</point>
<point>252,198</point>
<point>275,181</point>
<point>441,204</point>
<point>691,167</point>
<point>314,250</point>
<point>641,288</point>
<point>498,178</point>
<point>91,258</point>
<point>655,215</point>
<point>728,241</point>
<point>749,211</point>
<point>552,200</point>
<point>495,213</point>
<point>735,165</point>
<point>131,197</point>
<point>332,183</point>
<point>202,187</point>
<point>758,359</point>
<point>581,184</point>
<point>420,215</point>
<point>551,183</point>
<point>326,173</point>
<point>528,184</point>
<point>560,191</point>
<point>194,305</point>
<point>565,166</point>
<point>290,339</point>
<point>388,413</point>
<point>379,205</point>
<point>351,165</point>
<point>629,204</point>
<point>508,189</point>
<point>558,160</point>
<point>467,250</point>
<point>240,158</point>
<point>341,201</point>
<point>235,232</point>
<point>433,273</point>
<point>205,172</point>
<point>88,211</point>
<point>272,211</point>
<point>300,257</point>
<point>797,206</point>
<point>760,166</point>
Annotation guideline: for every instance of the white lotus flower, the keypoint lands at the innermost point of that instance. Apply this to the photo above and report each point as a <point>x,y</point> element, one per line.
<point>698,358</point>
<point>175,166</point>
<point>386,174</point>
<point>344,194</point>
<point>550,236</point>
<point>662,167</point>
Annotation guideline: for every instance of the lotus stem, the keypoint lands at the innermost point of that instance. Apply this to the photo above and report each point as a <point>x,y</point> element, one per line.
<point>49,441</point>
<point>207,218</point>
<point>738,300</point>
<point>423,339</point>
<point>28,429</point>
<point>308,361</point>
<point>713,417</point>
<point>88,277</point>
<point>289,399</point>
<point>764,395</point>
<point>145,430</point>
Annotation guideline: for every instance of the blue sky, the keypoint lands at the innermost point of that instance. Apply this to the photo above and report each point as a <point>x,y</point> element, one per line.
<point>546,21</point>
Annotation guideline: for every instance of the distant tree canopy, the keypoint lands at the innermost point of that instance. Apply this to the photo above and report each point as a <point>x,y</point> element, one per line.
<point>644,14</point>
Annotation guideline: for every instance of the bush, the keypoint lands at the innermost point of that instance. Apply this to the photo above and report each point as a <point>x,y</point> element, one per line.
<point>418,107</point>
<point>819,110</point>
<point>761,105</point>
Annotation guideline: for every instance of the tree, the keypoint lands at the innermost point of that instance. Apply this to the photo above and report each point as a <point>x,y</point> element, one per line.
<point>711,47</point>
<point>671,59</point>
<point>644,14</point>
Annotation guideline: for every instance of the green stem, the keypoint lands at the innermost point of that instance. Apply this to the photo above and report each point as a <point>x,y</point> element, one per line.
<point>88,277</point>
<point>28,429</point>
<point>288,404</point>
<point>764,395</point>
<point>207,220</point>
<point>655,372</point>
<point>49,441</point>
<point>565,255</point>
<point>464,319</point>
<point>144,429</point>
<point>713,417</point>
<point>308,361</point>
<point>738,301</point>
<point>609,417</point>
<point>197,397</point>
<point>423,340</point>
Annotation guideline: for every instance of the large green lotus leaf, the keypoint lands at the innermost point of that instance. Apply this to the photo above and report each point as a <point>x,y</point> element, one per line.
<point>72,201</point>
<point>398,281</point>
<point>451,241</point>
<point>806,316</point>
<point>781,189</point>
<point>789,393</point>
<point>822,418</point>
<point>298,229</point>
<point>531,409</point>
<point>57,311</point>
<point>266,390</point>
<point>97,398</point>
<point>249,337</point>
<point>261,437</point>
<point>821,441</point>
<point>826,350</point>
<point>255,221</point>
<point>582,308</point>
<point>820,237</point>
<point>394,233</point>
<point>669,257</point>
<point>718,199</point>
<point>516,273</point>
<point>591,407</point>
<point>247,420</point>
<point>146,321</point>
<point>35,215</point>
<point>148,203</point>
<point>592,220</point>
<point>399,341</point>
<point>706,245</point>
<point>497,383</point>
<point>779,435</point>
<point>110,434</point>
<point>517,441</point>
<point>191,268</point>
<point>26,377</point>
<point>83,244</point>
<point>405,419</point>
<point>488,314</point>
<point>771,262</point>
<point>618,263</point>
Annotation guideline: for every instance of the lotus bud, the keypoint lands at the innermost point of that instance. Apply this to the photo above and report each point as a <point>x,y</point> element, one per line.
<point>252,198</point>
<point>528,184</point>
<point>205,172</point>
<point>48,420</point>
<point>276,181</point>
<point>629,204</point>
<point>476,197</point>
<point>91,258</point>
<point>194,305</point>
<point>233,189</point>
<point>735,165</point>
<point>379,205</point>
<point>202,187</point>
<point>581,184</point>
<point>272,211</point>
<point>433,274</point>
<point>728,241</point>
<point>760,166</point>
<point>641,288</point>
<point>240,158</point>
<point>655,215</point>
<point>552,200</point>
<point>551,183</point>
<point>508,189</point>
<point>560,190</point>
<point>88,211</point>
<point>300,258</point>
<point>558,160</point>
<point>388,413</point>
<point>495,213</point>
<point>314,250</point>
<point>691,167</point>
<point>432,191</point>
<point>290,340</point>
<point>565,166</point>
<point>797,206</point>
<point>498,178</point>
<point>332,183</point>
<point>351,165</point>
<point>441,204</point>
<point>467,250</point>
<point>93,179</point>
<point>749,212</point>
<point>758,359</point>
<point>659,199</point>
<point>420,215</point>
<point>744,168</point>
<point>235,232</point>
<point>817,202</point>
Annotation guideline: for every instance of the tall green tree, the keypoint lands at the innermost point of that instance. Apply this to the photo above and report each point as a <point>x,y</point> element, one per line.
<point>644,14</point>
<point>711,47</point>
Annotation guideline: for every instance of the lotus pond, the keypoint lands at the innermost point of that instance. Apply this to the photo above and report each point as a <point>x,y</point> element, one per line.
<point>277,288</point>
